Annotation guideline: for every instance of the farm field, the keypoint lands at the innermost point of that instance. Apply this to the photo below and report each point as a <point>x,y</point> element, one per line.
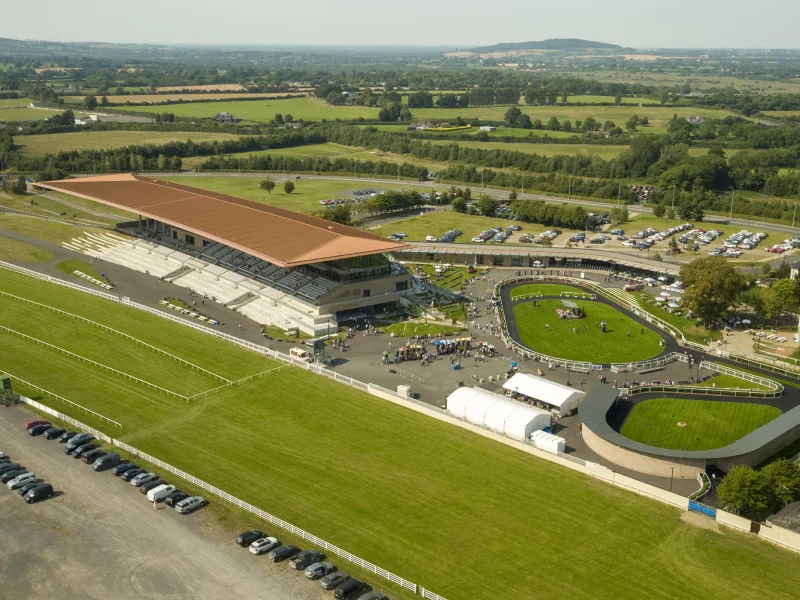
<point>589,344</point>
<point>702,81</point>
<point>609,534</point>
<point>106,140</point>
<point>500,132</point>
<point>263,111</point>
<point>209,87</point>
<point>603,151</point>
<point>176,97</point>
<point>708,424</point>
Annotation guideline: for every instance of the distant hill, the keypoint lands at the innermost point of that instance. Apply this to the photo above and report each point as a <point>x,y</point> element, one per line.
<point>559,44</point>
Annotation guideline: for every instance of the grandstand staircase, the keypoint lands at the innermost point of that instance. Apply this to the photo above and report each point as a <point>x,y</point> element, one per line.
<point>245,298</point>
<point>178,273</point>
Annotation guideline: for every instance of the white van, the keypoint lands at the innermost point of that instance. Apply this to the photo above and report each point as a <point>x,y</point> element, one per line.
<point>160,492</point>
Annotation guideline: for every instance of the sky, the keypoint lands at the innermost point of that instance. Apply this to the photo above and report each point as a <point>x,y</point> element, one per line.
<point>463,23</point>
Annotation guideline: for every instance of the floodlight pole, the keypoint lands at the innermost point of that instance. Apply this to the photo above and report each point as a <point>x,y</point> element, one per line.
<point>795,210</point>
<point>733,195</point>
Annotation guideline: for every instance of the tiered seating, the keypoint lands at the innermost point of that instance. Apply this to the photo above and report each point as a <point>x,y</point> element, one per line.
<point>316,288</point>
<point>206,283</point>
<point>138,255</point>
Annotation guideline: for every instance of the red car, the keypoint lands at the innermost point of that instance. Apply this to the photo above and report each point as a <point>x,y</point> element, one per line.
<point>34,423</point>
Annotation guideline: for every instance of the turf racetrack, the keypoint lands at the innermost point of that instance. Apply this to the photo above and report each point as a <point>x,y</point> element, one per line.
<point>539,327</point>
<point>463,515</point>
<point>708,425</point>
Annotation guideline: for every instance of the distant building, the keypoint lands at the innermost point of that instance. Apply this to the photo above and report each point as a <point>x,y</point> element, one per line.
<point>87,120</point>
<point>225,117</point>
<point>488,128</point>
<point>696,121</point>
<point>293,125</point>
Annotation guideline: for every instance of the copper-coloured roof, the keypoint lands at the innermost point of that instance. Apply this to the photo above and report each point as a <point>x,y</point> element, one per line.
<point>283,237</point>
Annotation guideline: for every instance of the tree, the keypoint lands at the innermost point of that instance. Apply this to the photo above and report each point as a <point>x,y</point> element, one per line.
<point>609,126</point>
<point>712,287</point>
<point>619,215</point>
<point>618,99</point>
<point>512,195</point>
<point>467,193</point>
<point>524,121</point>
<point>553,124</point>
<point>339,213</point>
<point>781,298</point>
<point>287,118</point>
<point>268,185</point>
<point>659,210</point>
<point>512,115</point>
<point>632,123</point>
<point>278,118</point>
<point>90,102</point>
<point>288,187</point>
<point>104,101</point>
<point>670,213</point>
<point>487,205</point>
<point>459,204</point>
<point>745,490</point>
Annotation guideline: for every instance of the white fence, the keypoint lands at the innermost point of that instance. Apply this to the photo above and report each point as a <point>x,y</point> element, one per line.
<point>46,409</point>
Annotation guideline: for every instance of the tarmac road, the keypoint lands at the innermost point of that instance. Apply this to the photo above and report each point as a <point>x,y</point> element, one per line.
<point>100,539</point>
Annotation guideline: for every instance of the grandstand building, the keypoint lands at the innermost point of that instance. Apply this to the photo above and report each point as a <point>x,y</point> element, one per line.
<point>273,265</point>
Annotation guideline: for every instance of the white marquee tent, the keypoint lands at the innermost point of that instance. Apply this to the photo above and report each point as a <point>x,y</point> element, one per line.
<point>514,419</point>
<point>561,397</point>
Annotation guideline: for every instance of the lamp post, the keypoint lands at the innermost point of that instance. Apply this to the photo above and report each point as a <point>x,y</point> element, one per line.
<point>671,475</point>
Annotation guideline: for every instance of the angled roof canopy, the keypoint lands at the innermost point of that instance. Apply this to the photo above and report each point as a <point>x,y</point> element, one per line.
<point>283,237</point>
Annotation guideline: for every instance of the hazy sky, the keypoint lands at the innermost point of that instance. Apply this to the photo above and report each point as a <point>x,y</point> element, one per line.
<point>636,23</point>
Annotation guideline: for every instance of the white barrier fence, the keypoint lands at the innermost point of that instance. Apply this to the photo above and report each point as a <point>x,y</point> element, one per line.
<point>46,409</point>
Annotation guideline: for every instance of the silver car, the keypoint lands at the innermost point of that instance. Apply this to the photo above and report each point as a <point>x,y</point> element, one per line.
<point>319,569</point>
<point>143,478</point>
<point>333,580</point>
<point>21,480</point>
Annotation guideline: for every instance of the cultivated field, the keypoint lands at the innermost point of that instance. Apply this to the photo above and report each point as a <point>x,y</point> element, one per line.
<point>176,97</point>
<point>541,329</point>
<point>680,424</point>
<point>209,87</point>
<point>305,449</point>
<point>106,140</point>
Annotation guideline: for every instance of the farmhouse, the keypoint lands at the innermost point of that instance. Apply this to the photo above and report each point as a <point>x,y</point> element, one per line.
<point>225,117</point>
<point>488,128</point>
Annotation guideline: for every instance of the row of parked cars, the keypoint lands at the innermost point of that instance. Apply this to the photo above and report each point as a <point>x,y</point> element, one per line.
<point>17,477</point>
<point>311,563</point>
<point>82,446</point>
<point>496,234</point>
<point>448,237</point>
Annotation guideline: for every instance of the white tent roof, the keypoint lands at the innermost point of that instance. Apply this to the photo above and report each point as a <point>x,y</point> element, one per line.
<point>542,389</point>
<point>478,406</point>
<point>458,400</point>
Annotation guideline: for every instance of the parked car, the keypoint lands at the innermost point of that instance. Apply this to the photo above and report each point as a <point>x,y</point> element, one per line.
<point>159,493</point>
<point>246,538</point>
<point>11,474</point>
<point>106,462</point>
<point>264,544</point>
<point>123,468</point>
<point>53,433</point>
<point>319,569</point>
<point>80,450</point>
<point>350,589</point>
<point>31,484</point>
<point>373,596</point>
<point>333,580</point>
<point>283,553</point>
<point>39,492</point>
<point>93,455</point>
<point>77,441</point>
<point>130,474</point>
<point>175,497</point>
<point>142,478</point>
<point>431,238</point>
<point>33,423</point>
<point>188,505</point>
<point>66,436</point>
<point>39,429</point>
<point>21,480</point>
<point>151,485</point>
<point>305,558</point>
<point>9,466</point>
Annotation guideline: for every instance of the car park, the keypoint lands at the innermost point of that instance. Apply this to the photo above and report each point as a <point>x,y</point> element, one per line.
<point>175,497</point>
<point>305,558</point>
<point>151,485</point>
<point>11,474</point>
<point>333,580</point>
<point>264,544</point>
<point>319,569</point>
<point>283,553</point>
<point>53,433</point>
<point>350,589</point>
<point>128,475</point>
<point>93,455</point>
<point>159,493</point>
<point>20,480</point>
<point>79,451</point>
<point>191,504</point>
<point>103,463</point>
<point>142,478</point>
<point>39,492</point>
<point>246,538</point>
<point>39,429</point>
<point>123,468</point>
<point>66,436</point>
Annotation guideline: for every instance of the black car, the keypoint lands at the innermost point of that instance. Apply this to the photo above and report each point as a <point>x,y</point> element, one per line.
<point>24,489</point>
<point>39,429</point>
<point>10,474</point>
<point>5,458</point>
<point>131,473</point>
<point>283,553</point>
<point>66,436</point>
<point>81,450</point>
<point>40,492</point>
<point>120,469</point>
<point>9,467</point>
<point>351,588</point>
<point>150,485</point>
<point>53,433</point>
<point>248,537</point>
<point>175,497</point>
<point>305,558</point>
<point>93,455</point>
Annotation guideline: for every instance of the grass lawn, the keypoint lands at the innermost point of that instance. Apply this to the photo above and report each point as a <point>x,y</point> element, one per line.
<point>709,424</point>
<point>546,289</point>
<point>420,491</point>
<point>29,114</point>
<point>70,266</point>
<point>105,140</point>
<point>277,332</point>
<point>40,205</point>
<point>16,251</point>
<point>263,111</point>
<point>48,231</point>
<point>590,345</point>
<point>729,381</point>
